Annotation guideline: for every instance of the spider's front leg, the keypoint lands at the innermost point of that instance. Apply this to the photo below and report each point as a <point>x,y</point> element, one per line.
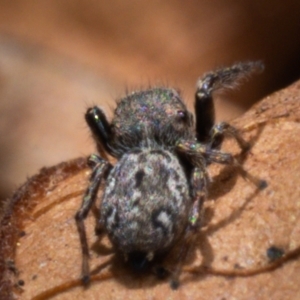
<point>101,131</point>
<point>100,128</point>
<point>100,168</point>
<point>204,107</point>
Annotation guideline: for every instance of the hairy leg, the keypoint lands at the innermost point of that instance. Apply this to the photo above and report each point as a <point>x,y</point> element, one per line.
<point>213,81</point>
<point>100,167</point>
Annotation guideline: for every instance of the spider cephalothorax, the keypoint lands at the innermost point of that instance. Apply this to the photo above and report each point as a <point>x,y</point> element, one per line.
<point>154,194</point>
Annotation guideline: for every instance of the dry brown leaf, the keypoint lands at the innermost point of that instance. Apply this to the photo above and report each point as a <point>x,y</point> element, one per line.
<point>40,245</point>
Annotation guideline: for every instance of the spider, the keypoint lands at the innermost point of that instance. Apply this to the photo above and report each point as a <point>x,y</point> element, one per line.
<point>153,196</point>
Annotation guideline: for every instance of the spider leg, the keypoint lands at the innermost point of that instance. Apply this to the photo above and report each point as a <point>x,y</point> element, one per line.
<point>213,81</point>
<point>100,167</point>
<point>200,155</point>
<point>197,151</point>
<point>200,181</point>
<point>204,108</point>
<point>220,157</point>
<point>223,129</point>
<point>100,128</point>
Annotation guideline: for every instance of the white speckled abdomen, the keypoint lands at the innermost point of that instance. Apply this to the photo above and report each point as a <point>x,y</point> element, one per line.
<point>146,202</point>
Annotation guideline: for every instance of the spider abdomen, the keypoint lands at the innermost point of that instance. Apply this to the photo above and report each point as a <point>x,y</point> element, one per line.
<point>146,202</point>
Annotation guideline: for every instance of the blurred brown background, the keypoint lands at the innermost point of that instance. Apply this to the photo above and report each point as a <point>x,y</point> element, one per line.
<point>58,57</point>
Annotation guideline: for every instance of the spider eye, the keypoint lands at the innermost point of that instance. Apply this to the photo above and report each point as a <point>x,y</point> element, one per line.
<point>182,115</point>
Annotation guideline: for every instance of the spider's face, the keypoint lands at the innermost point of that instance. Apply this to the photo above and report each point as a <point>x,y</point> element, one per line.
<point>153,117</point>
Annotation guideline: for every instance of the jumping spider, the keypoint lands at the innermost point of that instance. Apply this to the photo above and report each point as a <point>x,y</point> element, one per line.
<point>153,196</point>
